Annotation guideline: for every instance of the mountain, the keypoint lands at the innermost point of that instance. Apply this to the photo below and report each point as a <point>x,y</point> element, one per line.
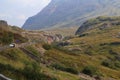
<point>67,13</point>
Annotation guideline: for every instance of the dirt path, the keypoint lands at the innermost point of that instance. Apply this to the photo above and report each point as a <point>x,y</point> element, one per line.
<point>86,77</point>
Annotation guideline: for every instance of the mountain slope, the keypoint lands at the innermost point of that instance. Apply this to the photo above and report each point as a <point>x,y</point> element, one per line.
<point>103,22</point>
<point>95,52</point>
<point>10,34</point>
<point>25,60</point>
<point>67,13</point>
<point>98,45</point>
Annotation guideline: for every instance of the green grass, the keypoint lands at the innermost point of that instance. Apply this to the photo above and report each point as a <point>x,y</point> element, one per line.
<point>95,48</point>
<point>98,55</point>
<point>17,65</point>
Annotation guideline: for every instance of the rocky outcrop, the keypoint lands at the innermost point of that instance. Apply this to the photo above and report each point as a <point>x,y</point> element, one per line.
<point>42,36</point>
<point>3,25</point>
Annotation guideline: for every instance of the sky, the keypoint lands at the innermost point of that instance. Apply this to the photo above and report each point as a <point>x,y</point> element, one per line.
<point>15,12</point>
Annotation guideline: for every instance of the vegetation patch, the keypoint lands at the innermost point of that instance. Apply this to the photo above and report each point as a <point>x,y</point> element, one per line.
<point>111,64</point>
<point>90,70</point>
<point>30,72</point>
<point>32,50</point>
<point>47,46</point>
<point>7,37</point>
<point>67,69</point>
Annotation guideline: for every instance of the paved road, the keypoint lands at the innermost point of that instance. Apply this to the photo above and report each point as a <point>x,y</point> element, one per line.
<point>2,48</point>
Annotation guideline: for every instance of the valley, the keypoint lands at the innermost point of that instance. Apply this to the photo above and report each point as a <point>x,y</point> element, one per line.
<point>60,40</point>
<point>91,54</point>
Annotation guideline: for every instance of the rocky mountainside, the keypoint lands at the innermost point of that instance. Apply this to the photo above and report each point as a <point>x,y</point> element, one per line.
<point>103,22</point>
<point>3,25</point>
<point>67,13</point>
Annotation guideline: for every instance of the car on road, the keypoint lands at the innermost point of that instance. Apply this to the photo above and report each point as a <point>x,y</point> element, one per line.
<point>12,45</point>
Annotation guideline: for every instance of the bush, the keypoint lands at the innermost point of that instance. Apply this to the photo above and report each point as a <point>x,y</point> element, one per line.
<point>114,43</point>
<point>108,63</point>
<point>117,64</point>
<point>90,70</point>
<point>83,35</point>
<point>32,50</point>
<point>30,72</point>
<point>6,67</point>
<point>7,38</point>
<point>47,46</point>
<point>71,70</point>
<point>19,39</point>
<point>67,69</point>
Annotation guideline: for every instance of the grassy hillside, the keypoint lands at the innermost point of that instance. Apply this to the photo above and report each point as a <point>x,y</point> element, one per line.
<point>10,34</point>
<point>99,45</point>
<point>7,37</point>
<point>94,53</point>
<point>16,65</point>
<point>26,62</point>
<point>19,65</point>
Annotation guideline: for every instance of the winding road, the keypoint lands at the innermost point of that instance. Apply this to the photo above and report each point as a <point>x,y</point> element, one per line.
<point>2,48</point>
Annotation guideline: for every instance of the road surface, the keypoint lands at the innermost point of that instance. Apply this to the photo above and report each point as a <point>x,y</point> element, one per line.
<point>2,48</point>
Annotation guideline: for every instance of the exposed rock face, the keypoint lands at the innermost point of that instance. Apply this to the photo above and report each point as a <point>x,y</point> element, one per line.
<point>3,23</point>
<point>40,36</point>
<point>67,13</point>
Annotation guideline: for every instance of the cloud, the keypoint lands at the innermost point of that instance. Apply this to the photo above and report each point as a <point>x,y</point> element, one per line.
<point>31,3</point>
<point>22,17</point>
<point>17,11</point>
<point>5,15</point>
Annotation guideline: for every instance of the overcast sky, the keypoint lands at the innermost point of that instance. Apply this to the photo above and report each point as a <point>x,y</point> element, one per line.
<point>15,12</point>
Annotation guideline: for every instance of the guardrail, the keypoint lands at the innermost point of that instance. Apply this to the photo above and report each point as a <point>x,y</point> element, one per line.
<point>2,77</point>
